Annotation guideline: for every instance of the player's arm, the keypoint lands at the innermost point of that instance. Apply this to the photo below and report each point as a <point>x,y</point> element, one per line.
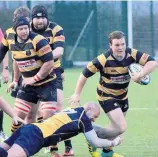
<point>46,56</point>
<point>6,107</point>
<point>93,140</point>
<point>94,66</point>
<point>148,62</point>
<point>3,50</point>
<point>148,68</point>
<point>4,47</point>
<point>5,72</point>
<point>16,71</point>
<point>58,42</point>
<point>8,110</point>
<point>16,76</point>
<point>58,52</point>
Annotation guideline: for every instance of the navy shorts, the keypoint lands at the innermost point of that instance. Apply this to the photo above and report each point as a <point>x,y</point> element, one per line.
<point>33,94</point>
<point>59,82</point>
<point>29,137</point>
<point>112,104</point>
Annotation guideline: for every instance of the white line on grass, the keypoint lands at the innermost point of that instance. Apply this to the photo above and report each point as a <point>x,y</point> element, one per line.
<point>143,108</point>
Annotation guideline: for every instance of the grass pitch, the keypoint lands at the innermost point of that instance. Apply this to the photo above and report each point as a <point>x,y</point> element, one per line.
<point>141,137</point>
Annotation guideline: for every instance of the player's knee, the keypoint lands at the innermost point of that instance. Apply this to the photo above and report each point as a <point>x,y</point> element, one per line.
<point>122,128</point>
<point>47,114</point>
<point>28,119</point>
<point>3,153</point>
<point>48,109</point>
<point>59,99</point>
<point>59,106</point>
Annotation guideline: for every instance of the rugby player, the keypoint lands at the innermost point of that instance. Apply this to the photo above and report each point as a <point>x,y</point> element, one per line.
<point>5,78</point>
<point>113,85</point>
<point>55,35</point>
<point>29,139</point>
<point>33,58</point>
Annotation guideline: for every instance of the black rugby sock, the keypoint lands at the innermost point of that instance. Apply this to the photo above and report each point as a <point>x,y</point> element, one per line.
<point>1,120</point>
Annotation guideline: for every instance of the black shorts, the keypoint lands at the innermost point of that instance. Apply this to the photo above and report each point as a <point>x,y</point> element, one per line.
<point>58,72</point>
<point>33,94</point>
<point>29,137</point>
<point>112,104</point>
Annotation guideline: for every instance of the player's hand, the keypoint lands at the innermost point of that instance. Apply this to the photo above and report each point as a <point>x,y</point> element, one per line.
<point>117,141</point>
<point>74,100</point>
<point>136,77</point>
<point>28,81</point>
<point>12,86</point>
<point>5,76</point>
<point>17,119</point>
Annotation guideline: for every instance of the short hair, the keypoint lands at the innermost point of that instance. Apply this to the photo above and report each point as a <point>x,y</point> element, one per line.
<point>115,35</point>
<point>22,11</point>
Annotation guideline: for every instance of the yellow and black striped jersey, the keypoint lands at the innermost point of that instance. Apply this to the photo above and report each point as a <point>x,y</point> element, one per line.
<point>29,56</point>
<point>64,125</point>
<point>1,35</point>
<point>55,35</point>
<point>114,76</point>
<point>9,35</point>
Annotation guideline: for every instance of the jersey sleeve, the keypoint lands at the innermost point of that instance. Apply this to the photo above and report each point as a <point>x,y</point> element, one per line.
<point>59,38</point>
<point>4,47</point>
<point>140,57</point>
<point>94,66</point>
<point>86,124</point>
<point>44,50</point>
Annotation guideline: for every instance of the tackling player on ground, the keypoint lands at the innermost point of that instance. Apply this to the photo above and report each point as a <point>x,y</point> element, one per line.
<point>29,139</point>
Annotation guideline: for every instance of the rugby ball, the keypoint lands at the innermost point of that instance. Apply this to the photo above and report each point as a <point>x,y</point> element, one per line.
<point>134,67</point>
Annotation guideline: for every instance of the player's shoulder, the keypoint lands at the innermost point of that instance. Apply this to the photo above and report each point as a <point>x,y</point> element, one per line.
<point>53,25</point>
<point>79,109</point>
<point>131,50</point>
<point>10,30</point>
<point>36,37</point>
<point>105,55</point>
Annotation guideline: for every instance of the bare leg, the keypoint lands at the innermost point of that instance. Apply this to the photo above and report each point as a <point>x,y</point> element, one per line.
<point>31,117</point>
<point>5,146</point>
<point>16,151</point>
<point>117,126</point>
<point>59,100</point>
<point>48,109</point>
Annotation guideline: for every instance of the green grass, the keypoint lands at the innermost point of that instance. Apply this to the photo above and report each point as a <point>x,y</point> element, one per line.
<point>141,137</point>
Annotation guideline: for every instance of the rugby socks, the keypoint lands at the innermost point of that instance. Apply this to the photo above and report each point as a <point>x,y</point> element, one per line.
<point>54,149</point>
<point>68,143</point>
<point>14,127</point>
<point>1,120</point>
<point>3,153</point>
<point>107,152</point>
<point>40,119</point>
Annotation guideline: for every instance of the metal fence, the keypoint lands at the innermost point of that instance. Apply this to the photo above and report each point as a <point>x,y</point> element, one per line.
<point>87,24</point>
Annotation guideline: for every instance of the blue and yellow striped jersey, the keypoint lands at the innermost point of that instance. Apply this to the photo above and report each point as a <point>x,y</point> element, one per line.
<point>65,124</point>
<point>114,76</point>
<point>55,36</point>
